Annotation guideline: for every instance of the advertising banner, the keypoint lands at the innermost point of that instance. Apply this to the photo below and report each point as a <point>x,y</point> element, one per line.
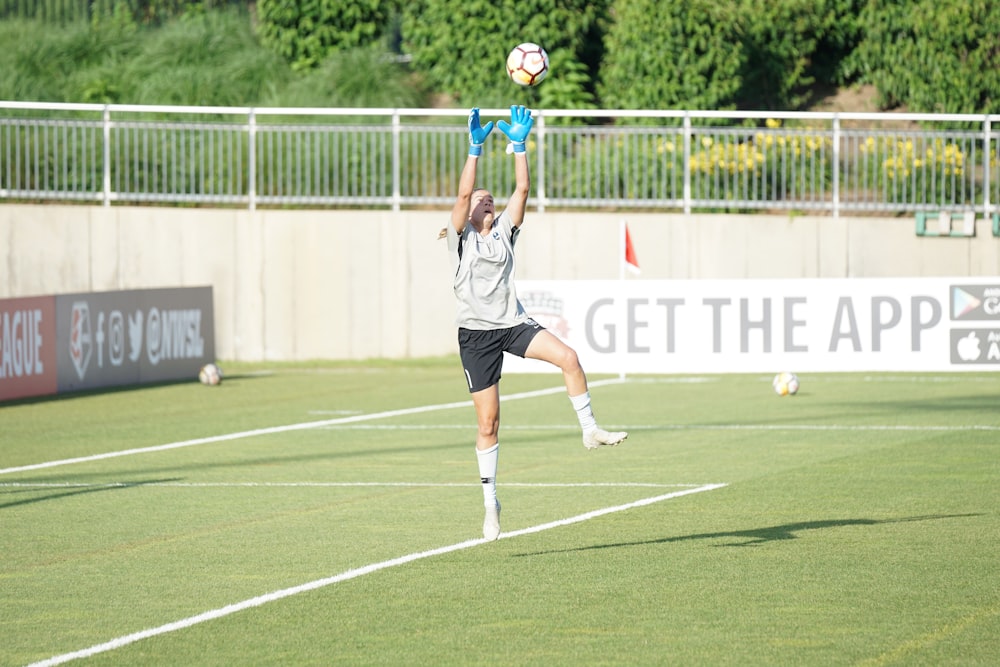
<point>738,326</point>
<point>27,347</point>
<point>132,337</point>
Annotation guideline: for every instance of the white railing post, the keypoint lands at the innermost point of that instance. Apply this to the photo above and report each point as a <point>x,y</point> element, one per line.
<point>836,165</point>
<point>687,163</point>
<point>106,180</point>
<point>396,167</point>
<point>252,160</point>
<point>541,163</point>
<point>987,129</point>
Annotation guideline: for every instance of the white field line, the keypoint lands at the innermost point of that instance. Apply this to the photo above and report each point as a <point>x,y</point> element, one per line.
<point>671,427</point>
<point>287,428</point>
<point>116,485</point>
<point>811,427</point>
<point>345,576</point>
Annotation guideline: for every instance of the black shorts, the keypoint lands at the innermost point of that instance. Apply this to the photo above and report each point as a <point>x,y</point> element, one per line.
<point>482,351</point>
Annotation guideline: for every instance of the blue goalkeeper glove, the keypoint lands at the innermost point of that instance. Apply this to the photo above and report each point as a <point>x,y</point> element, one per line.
<point>518,128</point>
<point>477,132</point>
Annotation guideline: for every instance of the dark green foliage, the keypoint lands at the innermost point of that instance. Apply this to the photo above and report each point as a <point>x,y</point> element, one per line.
<point>839,30</point>
<point>717,55</point>
<point>790,46</point>
<point>461,47</point>
<point>670,55</point>
<point>304,32</point>
<point>939,56</point>
<point>51,11</point>
<point>571,89</point>
<point>932,55</point>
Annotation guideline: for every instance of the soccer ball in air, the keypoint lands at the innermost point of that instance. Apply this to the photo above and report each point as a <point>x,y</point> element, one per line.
<point>785,384</point>
<point>210,375</point>
<point>527,64</point>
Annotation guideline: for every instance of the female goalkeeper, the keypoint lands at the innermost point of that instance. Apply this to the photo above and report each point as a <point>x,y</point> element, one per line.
<point>490,319</point>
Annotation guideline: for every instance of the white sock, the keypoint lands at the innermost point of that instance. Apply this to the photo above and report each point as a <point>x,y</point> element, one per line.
<point>581,404</point>
<point>488,473</point>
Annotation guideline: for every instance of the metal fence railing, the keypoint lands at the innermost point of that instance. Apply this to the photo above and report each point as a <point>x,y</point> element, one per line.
<point>838,163</point>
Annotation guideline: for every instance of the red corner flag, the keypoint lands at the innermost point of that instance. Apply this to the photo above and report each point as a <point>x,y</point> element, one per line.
<point>631,261</point>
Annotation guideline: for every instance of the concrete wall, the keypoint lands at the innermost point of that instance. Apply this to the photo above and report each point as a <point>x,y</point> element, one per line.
<point>362,284</point>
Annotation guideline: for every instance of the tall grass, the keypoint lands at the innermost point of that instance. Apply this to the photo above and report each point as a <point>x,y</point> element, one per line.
<point>211,58</point>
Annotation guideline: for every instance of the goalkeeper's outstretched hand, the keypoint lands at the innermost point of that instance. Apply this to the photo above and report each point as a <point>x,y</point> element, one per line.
<point>518,128</point>
<point>477,132</point>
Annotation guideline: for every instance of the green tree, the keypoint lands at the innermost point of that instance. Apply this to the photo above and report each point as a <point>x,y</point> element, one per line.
<point>689,56</point>
<point>937,56</point>
<point>460,47</point>
<point>791,46</point>
<point>717,55</point>
<point>304,32</point>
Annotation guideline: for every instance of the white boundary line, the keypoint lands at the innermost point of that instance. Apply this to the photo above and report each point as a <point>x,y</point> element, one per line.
<point>285,429</point>
<point>345,576</point>
<point>117,485</point>
<point>672,427</point>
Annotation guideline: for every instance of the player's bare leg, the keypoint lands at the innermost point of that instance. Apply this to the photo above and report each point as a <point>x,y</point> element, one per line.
<point>546,347</point>
<point>487,404</point>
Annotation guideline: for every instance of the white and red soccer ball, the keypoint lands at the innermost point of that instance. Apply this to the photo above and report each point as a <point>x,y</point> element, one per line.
<point>527,64</point>
<point>210,374</point>
<point>785,384</point>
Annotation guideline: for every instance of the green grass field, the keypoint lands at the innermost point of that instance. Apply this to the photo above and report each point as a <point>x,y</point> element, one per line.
<point>330,514</point>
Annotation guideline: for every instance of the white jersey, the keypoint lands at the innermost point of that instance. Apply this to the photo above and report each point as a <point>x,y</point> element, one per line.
<point>484,276</point>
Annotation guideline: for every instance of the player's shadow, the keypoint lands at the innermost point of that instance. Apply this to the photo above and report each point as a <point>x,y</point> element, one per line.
<point>59,492</point>
<point>756,536</point>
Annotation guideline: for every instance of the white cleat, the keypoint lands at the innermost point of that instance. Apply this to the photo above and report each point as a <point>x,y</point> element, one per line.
<point>491,524</point>
<point>601,438</point>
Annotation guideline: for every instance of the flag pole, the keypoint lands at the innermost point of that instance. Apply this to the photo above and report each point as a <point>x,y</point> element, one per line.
<point>623,319</point>
<point>622,249</point>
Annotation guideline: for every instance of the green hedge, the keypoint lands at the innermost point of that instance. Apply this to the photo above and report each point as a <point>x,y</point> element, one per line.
<point>936,56</point>
<point>930,55</point>
<point>305,32</point>
<point>706,54</point>
<point>461,47</point>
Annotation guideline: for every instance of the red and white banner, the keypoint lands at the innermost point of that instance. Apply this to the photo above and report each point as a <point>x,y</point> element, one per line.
<point>735,326</point>
<point>27,347</point>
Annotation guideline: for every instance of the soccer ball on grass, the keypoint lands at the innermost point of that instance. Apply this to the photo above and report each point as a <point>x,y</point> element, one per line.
<point>210,375</point>
<point>785,384</point>
<point>527,64</point>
